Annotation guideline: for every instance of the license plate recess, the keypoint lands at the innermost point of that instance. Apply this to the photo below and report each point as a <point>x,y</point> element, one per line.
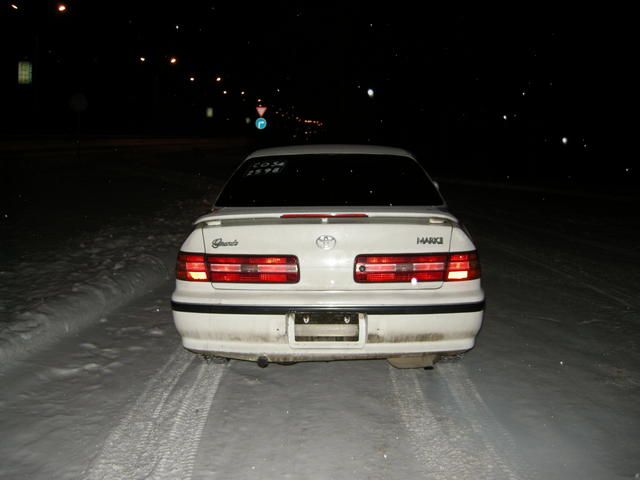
<point>326,328</point>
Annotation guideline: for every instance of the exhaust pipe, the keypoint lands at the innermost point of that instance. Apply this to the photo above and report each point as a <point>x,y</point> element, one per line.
<point>263,362</point>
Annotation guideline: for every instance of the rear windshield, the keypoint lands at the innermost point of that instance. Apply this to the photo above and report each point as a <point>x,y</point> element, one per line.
<point>329,180</point>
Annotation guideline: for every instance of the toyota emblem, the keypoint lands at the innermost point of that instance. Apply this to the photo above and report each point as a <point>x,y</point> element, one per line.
<point>326,242</point>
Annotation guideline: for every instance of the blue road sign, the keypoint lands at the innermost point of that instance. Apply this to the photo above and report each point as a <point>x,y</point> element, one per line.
<point>261,123</point>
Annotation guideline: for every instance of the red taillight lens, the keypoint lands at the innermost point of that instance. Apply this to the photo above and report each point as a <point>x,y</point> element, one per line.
<point>191,267</point>
<point>253,269</point>
<point>400,268</point>
<point>237,268</point>
<point>463,266</point>
<point>421,268</point>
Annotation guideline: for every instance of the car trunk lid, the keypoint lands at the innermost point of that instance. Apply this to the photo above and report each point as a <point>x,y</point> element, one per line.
<point>326,243</point>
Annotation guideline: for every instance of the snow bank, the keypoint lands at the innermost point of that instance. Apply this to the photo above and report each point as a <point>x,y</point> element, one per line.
<point>56,288</point>
<point>82,304</point>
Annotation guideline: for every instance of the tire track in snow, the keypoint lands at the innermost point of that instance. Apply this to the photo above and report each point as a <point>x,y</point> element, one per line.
<point>179,449</point>
<point>483,423</point>
<point>448,440</point>
<point>439,456</point>
<point>159,436</point>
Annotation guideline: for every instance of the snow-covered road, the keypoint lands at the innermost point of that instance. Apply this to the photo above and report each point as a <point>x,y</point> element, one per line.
<point>550,391</point>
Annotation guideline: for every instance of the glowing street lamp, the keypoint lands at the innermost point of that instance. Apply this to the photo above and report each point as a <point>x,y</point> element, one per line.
<point>14,6</point>
<point>218,79</point>
<point>62,8</point>
<point>370,93</point>
<point>173,60</point>
<point>142,59</point>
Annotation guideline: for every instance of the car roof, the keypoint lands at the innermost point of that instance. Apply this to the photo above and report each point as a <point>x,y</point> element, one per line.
<point>330,149</point>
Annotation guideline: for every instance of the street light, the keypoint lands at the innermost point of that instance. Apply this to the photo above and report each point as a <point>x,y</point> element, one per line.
<point>173,60</point>
<point>62,8</point>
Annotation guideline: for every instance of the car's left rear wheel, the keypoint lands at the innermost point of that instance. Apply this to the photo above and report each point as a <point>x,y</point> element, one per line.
<point>426,360</point>
<point>209,359</point>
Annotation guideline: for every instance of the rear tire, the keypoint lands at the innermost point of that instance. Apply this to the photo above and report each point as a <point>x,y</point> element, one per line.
<point>426,360</point>
<point>213,359</point>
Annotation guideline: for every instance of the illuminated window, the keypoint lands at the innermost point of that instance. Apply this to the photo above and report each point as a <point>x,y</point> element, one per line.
<point>25,73</point>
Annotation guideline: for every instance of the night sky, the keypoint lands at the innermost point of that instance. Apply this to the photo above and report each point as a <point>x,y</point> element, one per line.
<point>533,92</point>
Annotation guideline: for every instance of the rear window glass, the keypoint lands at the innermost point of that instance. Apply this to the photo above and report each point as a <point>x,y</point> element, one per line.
<point>329,180</point>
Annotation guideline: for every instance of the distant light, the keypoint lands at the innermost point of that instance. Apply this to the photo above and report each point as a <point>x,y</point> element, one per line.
<point>242,92</point>
<point>14,6</point>
<point>370,92</point>
<point>25,73</point>
<point>524,92</point>
<point>259,100</point>
<point>173,60</point>
<point>218,79</point>
<point>247,120</point>
<point>565,140</point>
<point>224,92</point>
<point>209,112</point>
<point>62,8</point>
<point>143,59</point>
<point>177,27</point>
<point>192,79</point>
<point>504,117</point>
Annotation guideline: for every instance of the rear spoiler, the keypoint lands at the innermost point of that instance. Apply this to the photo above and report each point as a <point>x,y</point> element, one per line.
<point>279,218</point>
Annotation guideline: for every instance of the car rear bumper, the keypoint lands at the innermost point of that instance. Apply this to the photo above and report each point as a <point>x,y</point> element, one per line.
<point>249,332</point>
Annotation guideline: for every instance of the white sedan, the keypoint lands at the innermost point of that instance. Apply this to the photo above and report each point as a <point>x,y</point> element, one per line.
<point>326,252</point>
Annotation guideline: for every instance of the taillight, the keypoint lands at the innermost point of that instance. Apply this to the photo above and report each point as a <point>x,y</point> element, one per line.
<point>191,267</point>
<point>253,268</point>
<point>237,268</point>
<point>463,266</point>
<point>420,268</point>
<point>399,268</point>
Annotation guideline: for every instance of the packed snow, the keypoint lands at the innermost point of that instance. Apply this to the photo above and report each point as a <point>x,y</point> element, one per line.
<point>97,386</point>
